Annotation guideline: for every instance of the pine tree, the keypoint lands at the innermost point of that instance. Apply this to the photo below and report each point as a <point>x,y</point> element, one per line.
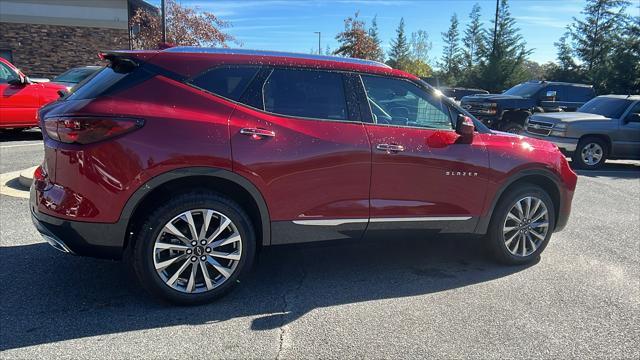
<point>566,69</point>
<point>595,37</point>
<point>374,34</point>
<point>399,54</point>
<point>451,55</point>
<point>502,63</point>
<point>473,38</point>
<point>624,77</point>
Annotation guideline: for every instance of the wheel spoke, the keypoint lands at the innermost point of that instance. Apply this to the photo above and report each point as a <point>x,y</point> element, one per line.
<point>508,242</point>
<point>539,225</point>
<point>222,242</point>
<point>205,274</point>
<point>166,246</point>
<point>205,225</point>
<point>513,217</point>
<point>192,225</point>
<point>172,280</point>
<point>216,265</point>
<point>533,245</point>
<point>527,209</point>
<point>540,216</point>
<point>192,278</point>
<point>164,264</point>
<point>534,233</point>
<point>169,228</point>
<point>519,208</point>
<point>231,256</point>
<point>536,205</point>
<point>524,245</point>
<point>224,223</point>
<point>508,228</point>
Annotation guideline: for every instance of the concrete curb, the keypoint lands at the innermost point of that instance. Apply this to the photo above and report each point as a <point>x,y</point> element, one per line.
<point>26,176</point>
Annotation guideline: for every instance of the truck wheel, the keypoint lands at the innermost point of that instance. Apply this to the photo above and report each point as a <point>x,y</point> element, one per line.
<point>194,248</point>
<point>590,154</point>
<point>521,225</point>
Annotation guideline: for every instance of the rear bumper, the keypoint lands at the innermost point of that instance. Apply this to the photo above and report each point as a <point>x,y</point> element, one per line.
<point>567,145</point>
<point>99,240</point>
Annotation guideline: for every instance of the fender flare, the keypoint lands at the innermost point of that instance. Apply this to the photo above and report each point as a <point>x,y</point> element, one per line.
<point>136,198</point>
<point>483,223</point>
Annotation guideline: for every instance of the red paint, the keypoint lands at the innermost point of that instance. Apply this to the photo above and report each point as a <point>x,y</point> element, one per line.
<point>310,169</point>
<point>19,103</point>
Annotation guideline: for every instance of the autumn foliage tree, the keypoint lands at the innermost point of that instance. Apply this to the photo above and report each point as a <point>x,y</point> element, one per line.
<point>184,26</point>
<point>356,42</point>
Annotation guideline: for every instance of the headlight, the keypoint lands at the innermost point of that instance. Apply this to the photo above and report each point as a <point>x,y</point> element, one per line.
<point>560,126</point>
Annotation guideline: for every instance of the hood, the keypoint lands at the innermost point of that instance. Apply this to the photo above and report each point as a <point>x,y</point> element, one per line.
<point>521,142</point>
<point>567,117</point>
<point>490,97</point>
<point>53,85</point>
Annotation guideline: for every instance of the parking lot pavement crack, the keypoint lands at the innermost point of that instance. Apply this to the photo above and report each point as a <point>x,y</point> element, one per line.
<point>284,337</point>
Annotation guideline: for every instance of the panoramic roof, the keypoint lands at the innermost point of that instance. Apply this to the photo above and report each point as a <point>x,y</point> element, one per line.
<point>196,49</point>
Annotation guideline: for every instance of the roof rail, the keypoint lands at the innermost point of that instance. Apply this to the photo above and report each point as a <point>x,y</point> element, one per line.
<point>228,51</point>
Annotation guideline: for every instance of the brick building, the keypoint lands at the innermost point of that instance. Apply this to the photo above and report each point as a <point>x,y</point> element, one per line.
<point>47,37</point>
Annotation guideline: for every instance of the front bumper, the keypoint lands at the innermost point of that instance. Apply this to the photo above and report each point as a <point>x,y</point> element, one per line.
<point>568,145</point>
<point>99,240</point>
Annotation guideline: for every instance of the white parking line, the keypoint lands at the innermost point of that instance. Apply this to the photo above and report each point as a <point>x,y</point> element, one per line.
<point>20,145</point>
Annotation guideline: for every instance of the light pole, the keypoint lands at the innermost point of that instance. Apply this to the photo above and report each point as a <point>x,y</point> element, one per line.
<point>318,32</point>
<point>164,22</point>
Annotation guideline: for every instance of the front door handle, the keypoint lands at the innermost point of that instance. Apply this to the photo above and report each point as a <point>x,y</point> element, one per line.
<point>257,133</point>
<point>390,148</point>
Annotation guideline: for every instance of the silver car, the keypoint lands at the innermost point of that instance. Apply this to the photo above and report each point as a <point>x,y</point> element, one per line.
<point>606,127</point>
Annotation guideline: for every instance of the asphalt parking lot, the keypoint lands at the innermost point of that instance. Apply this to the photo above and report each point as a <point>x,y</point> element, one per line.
<point>399,298</point>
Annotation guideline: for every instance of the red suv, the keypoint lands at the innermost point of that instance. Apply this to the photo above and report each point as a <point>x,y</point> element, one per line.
<point>186,161</point>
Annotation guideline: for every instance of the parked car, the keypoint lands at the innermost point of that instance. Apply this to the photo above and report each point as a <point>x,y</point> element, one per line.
<point>21,97</point>
<point>508,111</point>
<point>457,93</point>
<point>188,160</point>
<point>72,77</point>
<point>606,127</point>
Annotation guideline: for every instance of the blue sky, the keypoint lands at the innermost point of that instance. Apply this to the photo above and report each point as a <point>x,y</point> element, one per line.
<point>289,25</point>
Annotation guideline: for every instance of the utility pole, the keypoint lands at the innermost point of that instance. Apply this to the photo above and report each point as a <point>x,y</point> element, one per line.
<point>495,29</point>
<point>319,50</point>
<point>164,22</point>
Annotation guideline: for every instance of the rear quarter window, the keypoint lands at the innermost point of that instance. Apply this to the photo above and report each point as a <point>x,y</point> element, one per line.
<point>98,84</point>
<point>229,82</point>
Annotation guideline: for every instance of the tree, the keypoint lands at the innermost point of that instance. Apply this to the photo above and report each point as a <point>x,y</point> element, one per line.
<point>420,46</point>
<point>184,26</point>
<point>624,77</point>
<point>595,37</point>
<point>502,64</point>
<point>355,41</point>
<point>451,56</point>
<point>374,34</point>
<point>399,55</point>
<point>566,69</point>
<point>473,38</point>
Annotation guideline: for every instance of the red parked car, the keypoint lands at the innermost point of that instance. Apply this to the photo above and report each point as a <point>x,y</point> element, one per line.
<point>187,160</point>
<point>21,97</point>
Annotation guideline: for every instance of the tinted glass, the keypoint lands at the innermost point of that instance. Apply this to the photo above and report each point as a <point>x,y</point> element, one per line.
<point>75,75</point>
<point>524,89</point>
<point>6,74</point>
<point>305,93</point>
<point>607,107</point>
<point>97,84</point>
<point>399,102</point>
<point>228,82</point>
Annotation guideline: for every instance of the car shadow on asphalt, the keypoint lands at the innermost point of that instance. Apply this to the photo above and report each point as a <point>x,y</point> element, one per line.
<point>48,296</point>
<point>627,170</point>
<point>31,134</point>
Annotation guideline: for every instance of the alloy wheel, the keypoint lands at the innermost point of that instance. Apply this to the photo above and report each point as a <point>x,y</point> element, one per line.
<point>526,226</point>
<point>592,154</point>
<point>197,251</point>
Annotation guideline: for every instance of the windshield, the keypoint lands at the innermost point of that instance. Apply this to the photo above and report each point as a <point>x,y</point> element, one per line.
<point>75,75</point>
<point>524,89</point>
<point>607,107</point>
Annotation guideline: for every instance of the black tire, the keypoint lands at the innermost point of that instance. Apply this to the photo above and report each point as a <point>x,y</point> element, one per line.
<point>142,258</point>
<point>585,144</point>
<point>514,128</point>
<point>495,237</point>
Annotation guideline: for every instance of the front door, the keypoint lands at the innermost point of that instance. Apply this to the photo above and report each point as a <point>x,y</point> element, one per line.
<point>307,151</point>
<point>18,103</point>
<point>627,139</point>
<point>422,176</point>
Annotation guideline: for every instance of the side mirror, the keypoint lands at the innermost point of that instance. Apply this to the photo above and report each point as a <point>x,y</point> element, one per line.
<point>550,96</point>
<point>19,81</point>
<point>465,128</point>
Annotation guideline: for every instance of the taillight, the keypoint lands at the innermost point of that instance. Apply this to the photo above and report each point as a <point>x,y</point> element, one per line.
<point>85,130</point>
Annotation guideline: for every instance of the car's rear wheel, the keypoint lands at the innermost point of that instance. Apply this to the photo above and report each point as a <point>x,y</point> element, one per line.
<point>514,128</point>
<point>194,248</point>
<point>521,226</point>
<point>590,154</point>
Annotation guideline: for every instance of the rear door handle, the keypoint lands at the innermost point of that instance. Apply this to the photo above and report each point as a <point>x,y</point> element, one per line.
<point>257,133</point>
<point>390,148</point>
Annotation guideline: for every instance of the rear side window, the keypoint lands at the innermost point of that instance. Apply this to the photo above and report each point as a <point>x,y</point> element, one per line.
<point>228,82</point>
<point>97,84</point>
<point>306,93</point>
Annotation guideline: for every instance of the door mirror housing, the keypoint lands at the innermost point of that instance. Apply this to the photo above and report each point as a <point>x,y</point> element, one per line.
<point>633,117</point>
<point>21,80</point>
<point>550,96</point>
<point>465,128</point>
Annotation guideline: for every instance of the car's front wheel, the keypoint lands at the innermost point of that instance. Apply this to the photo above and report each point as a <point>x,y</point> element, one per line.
<point>522,224</point>
<point>590,154</point>
<point>194,248</point>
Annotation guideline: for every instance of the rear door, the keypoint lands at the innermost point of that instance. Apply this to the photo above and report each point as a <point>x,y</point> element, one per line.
<point>627,139</point>
<point>422,177</point>
<point>299,138</point>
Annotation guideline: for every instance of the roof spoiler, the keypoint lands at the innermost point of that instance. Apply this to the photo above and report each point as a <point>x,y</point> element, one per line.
<point>125,61</point>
